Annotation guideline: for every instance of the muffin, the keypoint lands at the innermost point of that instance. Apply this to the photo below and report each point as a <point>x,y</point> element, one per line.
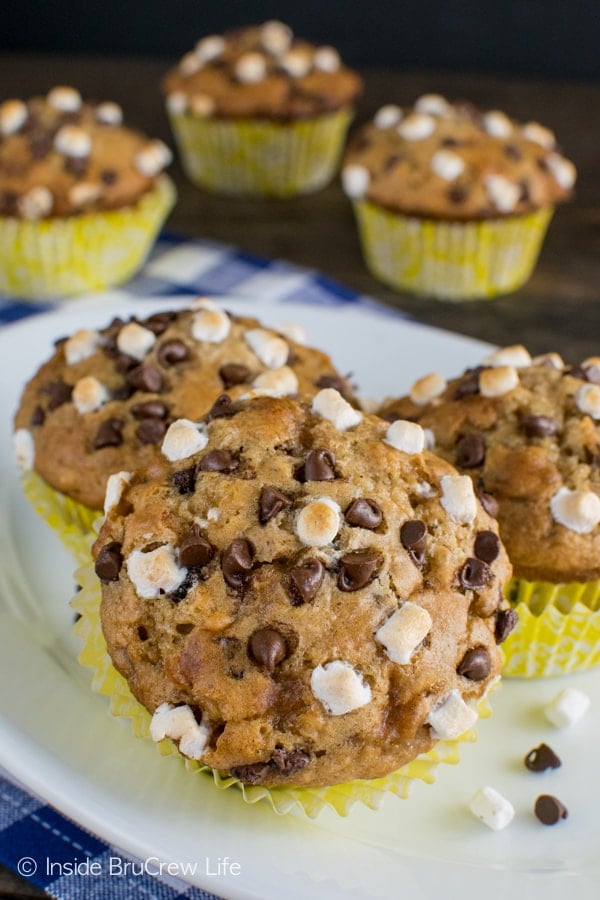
<point>260,112</point>
<point>452,201</point>
<point>311,610</point>
<point>527,432</point>
<point>105,399</point>
<point>82,197</point>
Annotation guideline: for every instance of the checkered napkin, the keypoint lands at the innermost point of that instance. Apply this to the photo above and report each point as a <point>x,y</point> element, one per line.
<point>32,832</point>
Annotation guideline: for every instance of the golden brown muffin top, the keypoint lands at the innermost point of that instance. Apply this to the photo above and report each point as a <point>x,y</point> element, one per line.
<point>528,433</point>
<point>260,71</point>
<point>322,605</point>
<point>60,156</point>
<point>453,161</point>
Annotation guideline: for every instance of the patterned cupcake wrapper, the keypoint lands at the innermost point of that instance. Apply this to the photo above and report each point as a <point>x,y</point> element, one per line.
<point>341,798</point>
<point>65,256</point>
<point>71,521</point>
<point>258,157</point>
<point>558,630</point>
<point>450,260</point>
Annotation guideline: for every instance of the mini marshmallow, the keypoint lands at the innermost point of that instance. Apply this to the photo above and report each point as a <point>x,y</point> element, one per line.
<point>202,105</point>
<point>587,399</point>
<point>272,351</point>
<point>355,181</point>
<point>73,141</point>
<point>458,498</point>
<point>297,62</point>
<point>251,68</point>
<point>115,486</point>
<point>491,808</point>
<point>109,113</point>
<point>539,134</point>
<point>339,687</point>
<point>562,169</point>
<point>327,59</point>
<point>416,127</point>
<point>567,707</point>
<point>81,345</point>
<point>177,103</point>
<point>388,116</point>
<point>65,99</point>
<point>427,388</point>
<point>579,511</point>
<point>591,361</point>
<point>179,724</point>
<point>89,394</point>
<point>423,488</point>
<point>516,355</point>
<point>13,115</point>
<point>503,193</point>
<point>183,438</point>
<point>404,631</point>
<point>406,436</point>
<point>330,404</point>
<point>447,165</point>
<point>451,717</point>
<point>432,105</point>
<point>36,203</point>
<point>154,572</point>
<point>318,522</point>
<point>499,381</point>
<point>210,325</point>
<point>153,158</point>
<point>279,382</point>
<point>276,37</point>
<point>293,331</point>
<point>552,360</point>
<point>497,124</point>
<point>202,303</point>
<point>429,439</point>
<point>84,192</point>
<point>189,64</point>
<point>136,341</point>
<point>24,449</point>
<point>209,48</point>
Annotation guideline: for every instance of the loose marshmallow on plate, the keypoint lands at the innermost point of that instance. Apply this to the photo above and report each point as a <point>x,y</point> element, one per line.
<point>491,808</point>
<point>567,707</point>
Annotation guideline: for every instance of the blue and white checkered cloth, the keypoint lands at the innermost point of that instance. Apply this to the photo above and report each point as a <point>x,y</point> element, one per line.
<point>31,832</point>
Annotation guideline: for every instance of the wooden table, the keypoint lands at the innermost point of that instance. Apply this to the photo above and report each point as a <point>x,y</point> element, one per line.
<point>559,309</point>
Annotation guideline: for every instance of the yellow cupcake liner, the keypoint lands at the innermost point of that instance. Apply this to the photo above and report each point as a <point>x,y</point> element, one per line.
<point>558,630</point>
<point>341,798</point>
<point>450,260</point>
<point>64,256</point>
<point>71,521</point>
<point>260,157</point>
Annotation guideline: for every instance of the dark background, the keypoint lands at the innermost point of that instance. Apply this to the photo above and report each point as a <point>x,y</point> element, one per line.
<point>538,37</point>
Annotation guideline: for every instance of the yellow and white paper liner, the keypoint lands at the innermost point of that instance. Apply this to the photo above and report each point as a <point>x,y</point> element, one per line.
<point>74,254</point>
<point>71,521</point>
<point>259,157</point>
<point>450,260</point>
<point>341,798</point>
<point>558,630</point>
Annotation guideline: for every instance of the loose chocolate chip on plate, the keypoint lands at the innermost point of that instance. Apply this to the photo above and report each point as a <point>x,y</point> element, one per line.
<point>487,546</point>
<point>474,574</point>
<point>58,392</point>
<point>146,378</point>
<point>195,551</point>
<point>506,620</point>
<point>319,465</point>
<point>268,648</point>
<point>219,461</point>
<point>476,664</point>
<point>184,481</point>
<point>549,810</point>
<point>271,502</point>
<point>538,426</point>
<point>364,513</point>
<point>542,758</point>
<point>358,568</point>
<point>171,352</point>
<point>222,408</point>
<point>305,580</point>
<point>151,431</point>
<point>470,451</point>
<point>109,561</point>
<point>151,409</point>
<point>233,373</point>
<point>237,561</point>
<point>109,434</point>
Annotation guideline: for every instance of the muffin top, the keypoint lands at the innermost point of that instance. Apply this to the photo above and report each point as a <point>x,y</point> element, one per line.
<point>528,433</point>
<point>60,156</point>
<point>453,161</point>
<point>105,399</point>
<point>308,598</point>
<point>261,70</point>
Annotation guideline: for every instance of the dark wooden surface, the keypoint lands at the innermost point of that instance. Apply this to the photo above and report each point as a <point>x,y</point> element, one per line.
<point>559,309</point>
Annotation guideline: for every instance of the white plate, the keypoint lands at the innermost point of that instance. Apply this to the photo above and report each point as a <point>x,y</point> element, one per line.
<point>57,738</point>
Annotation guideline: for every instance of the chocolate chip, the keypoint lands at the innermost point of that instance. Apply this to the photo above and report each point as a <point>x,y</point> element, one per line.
<point>358,568</point>
<point>171,352</point>
<point>40,145</point>
<point>159,322</point>
<point>334,381</point>
<point>288,762</point>
<point>468,384</point>
<point>233,373</point>
<point>268,648</point>
<point>181,592</point>
<point>476,664</point>
<point>511,151</point>
<point>542,164</point>
<point>58,392</point>
<point>125,363</point>
<point>146,378</point>
<point>108,176</point>
<point>109,434</point>
<point>151,431</point>
<point>524,191</point>
<point>305,580</point>
<point>538,426</point>
<point>489,503</point>
<point>470,451</point>
<point>151,409</point>
<point>393,161</point>
<point>195,551</point>
<point>549,810</point>
<point>364,513</point>
<point>109,561</point>
<point>38,416</point>
<point>184,481</point>
<point>592,374</point>
<point>122,393</point>
<point>76,165</point>
<point>237,561</point>
<point>449,142</point>
<point>319,465</point>
<point>222,408</point>
<point>542,758</point>
<point>506,620</point>
<point>487,546</point>
<point>270,503</point>
<point>474,574</point>
<point>219,461</point>
<point>413,535</point>
<point>251,774</point>
<point>458,193</point>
